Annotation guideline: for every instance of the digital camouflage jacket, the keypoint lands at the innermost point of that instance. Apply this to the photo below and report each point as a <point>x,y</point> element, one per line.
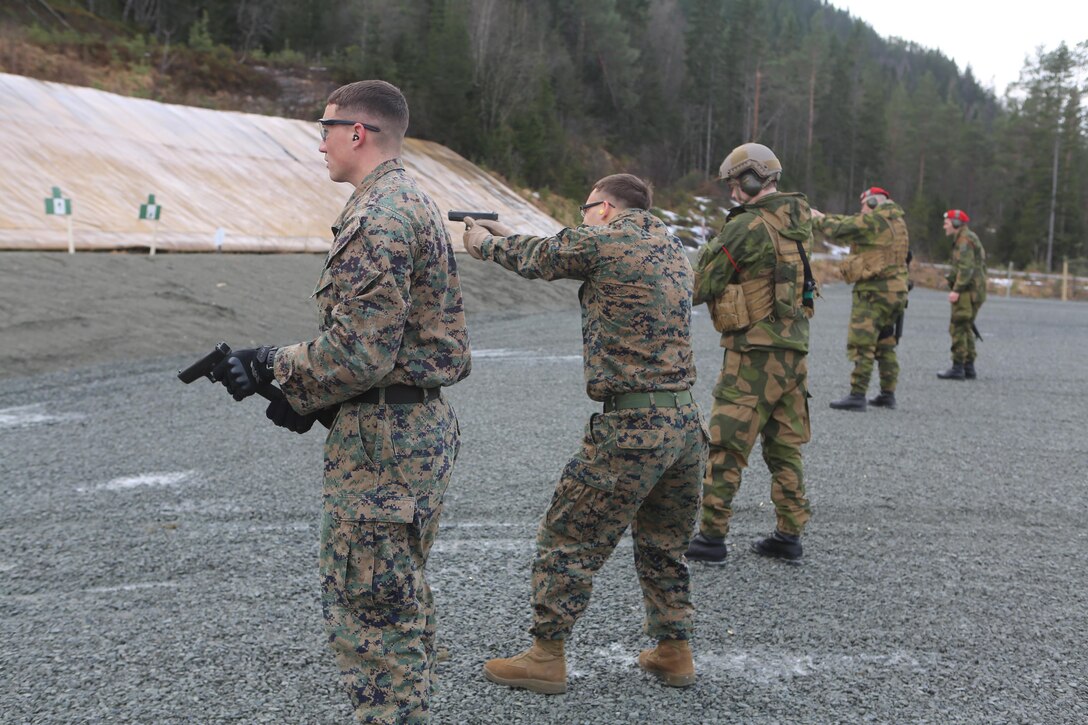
<point>389,299</point>
<point>635,295</point>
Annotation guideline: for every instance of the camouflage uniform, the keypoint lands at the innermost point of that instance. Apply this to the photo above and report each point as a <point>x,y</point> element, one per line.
<point>968,277</point>
<point>637,466</point>
<point>879,299</point>
<point>763,387</point>
<point>391,314</point>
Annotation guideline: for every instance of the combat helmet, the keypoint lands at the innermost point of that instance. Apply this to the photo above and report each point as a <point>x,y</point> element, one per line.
<point>753,157</point>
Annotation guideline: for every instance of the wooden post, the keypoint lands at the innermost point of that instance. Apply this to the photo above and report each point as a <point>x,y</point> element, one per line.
<point>1065,280</point>
<point>154,230</point>
<point>1008,287</point>
<point>71,243</point>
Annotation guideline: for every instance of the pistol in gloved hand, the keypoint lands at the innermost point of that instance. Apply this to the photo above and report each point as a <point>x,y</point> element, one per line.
<point>244,371</point>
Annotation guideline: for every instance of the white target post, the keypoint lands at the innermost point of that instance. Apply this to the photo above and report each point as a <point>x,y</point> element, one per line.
<point>58,205</point>
<point>150,211</point>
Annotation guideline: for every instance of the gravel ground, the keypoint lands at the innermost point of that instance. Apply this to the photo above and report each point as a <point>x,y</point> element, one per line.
<point>158,544</point>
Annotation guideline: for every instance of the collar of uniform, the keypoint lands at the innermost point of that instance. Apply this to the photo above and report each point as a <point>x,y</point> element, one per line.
<point>365,188</point>
<point>379,171</point>
<point>763,200</point>
<point>633,214</point>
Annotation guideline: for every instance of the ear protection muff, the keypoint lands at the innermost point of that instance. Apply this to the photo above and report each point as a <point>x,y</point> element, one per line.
<point>872,196</point>
<point>956,223</point>
<point>750,183</point>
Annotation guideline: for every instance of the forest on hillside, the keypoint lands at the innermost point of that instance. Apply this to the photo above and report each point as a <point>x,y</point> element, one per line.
<point>556,93</point>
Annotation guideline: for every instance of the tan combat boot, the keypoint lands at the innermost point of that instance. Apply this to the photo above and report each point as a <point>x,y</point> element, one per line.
<point>671,661</point>
<point>541,668</point>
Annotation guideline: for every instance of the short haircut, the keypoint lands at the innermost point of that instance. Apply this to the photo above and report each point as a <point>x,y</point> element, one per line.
<point>382,101</point>
<point>631,191</point>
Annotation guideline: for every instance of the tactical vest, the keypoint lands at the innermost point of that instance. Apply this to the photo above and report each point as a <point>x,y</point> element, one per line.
<point>885,262</point>
<point>778,293</point>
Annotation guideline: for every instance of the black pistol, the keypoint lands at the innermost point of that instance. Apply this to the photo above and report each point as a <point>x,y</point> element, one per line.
<point>203,367</point>
<point>459,216</point>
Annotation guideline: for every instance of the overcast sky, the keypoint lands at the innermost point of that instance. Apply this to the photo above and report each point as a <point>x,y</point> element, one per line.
<point>993,38</point>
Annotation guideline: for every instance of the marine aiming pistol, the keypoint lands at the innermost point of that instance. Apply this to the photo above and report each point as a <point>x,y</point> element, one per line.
<point>459,216</point>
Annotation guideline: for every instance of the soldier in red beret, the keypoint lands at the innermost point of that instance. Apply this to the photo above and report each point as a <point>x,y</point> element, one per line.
<point>967,280</point>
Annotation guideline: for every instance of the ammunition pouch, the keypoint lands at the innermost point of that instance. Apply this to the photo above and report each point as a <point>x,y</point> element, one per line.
<point>742,305</point>
<point>871,264</point>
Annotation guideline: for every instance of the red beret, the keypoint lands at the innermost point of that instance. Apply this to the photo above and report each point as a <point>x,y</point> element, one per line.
<point>957,214</point>
<point>874,191</point>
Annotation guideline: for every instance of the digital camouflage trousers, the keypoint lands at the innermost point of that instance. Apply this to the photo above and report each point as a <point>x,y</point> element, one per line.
<point>641,468</point>
<point>386,470</point>
<point>760,394</point>
<point>872,338</point>
<point>964,312</point>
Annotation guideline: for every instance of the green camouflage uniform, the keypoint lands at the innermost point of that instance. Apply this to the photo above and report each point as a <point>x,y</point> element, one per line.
<point>878,301</point>
<point>763,387</point>
<point>391,313</point>
<point>637,467</point>
<point>968,277</point>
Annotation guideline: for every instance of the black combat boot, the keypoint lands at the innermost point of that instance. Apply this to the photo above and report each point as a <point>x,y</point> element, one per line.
<point>853,401</point>
<point>953,373</point>
<point>779,546</point>
<point>969,370</point>
<point>886,399</point>
<point>707,549</point>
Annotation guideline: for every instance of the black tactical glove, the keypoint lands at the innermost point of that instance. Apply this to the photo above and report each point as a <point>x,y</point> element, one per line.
<point>243,371</point>
<point>282,414</point>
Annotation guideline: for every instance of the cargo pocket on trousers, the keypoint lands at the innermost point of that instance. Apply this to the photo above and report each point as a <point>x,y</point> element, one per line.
<point>579,502</point>
<point>633,439</point>
<point>726,385</point>
<point>731,422</point>
<point>963,308</point>
<point>371,555</point>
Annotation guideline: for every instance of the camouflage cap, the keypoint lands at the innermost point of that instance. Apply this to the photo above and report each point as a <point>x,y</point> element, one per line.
<point>754,156</point>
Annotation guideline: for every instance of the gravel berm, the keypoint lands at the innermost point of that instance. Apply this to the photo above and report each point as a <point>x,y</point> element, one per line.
<point>158,542</point>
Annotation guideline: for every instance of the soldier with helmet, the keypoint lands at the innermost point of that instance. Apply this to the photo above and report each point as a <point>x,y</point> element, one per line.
<point>877,267</point>
<point>967,280</point>
<point>756,280</point>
